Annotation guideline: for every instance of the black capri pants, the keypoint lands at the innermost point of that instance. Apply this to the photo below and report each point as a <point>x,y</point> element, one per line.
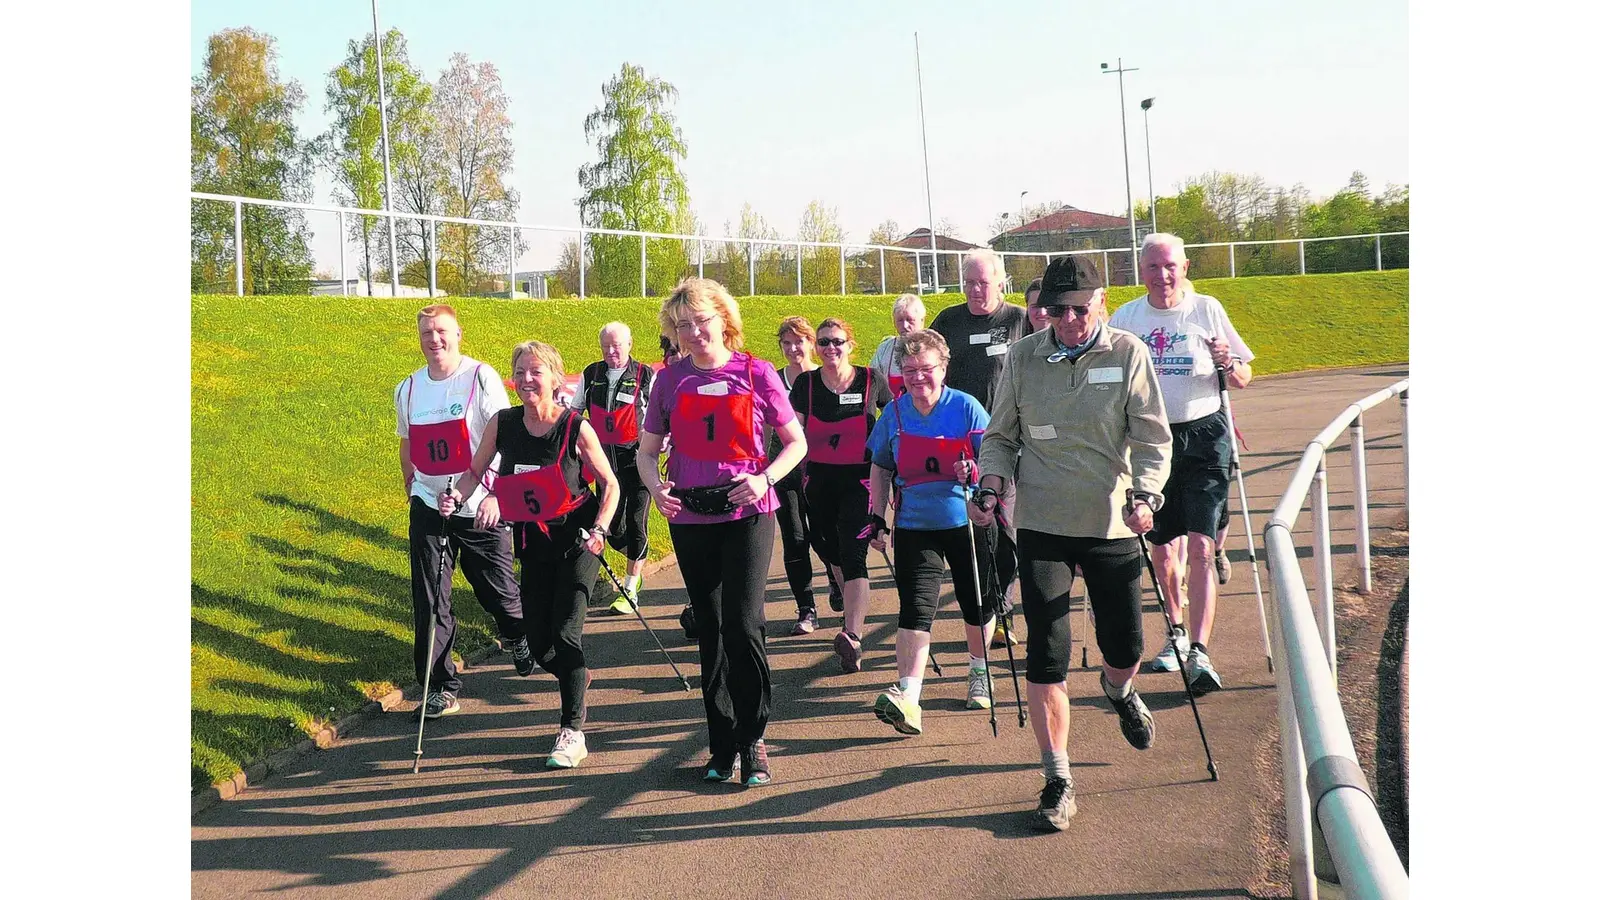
<point>838,507</point>
<point>919,562</point>
<point>630,530</point>
<point>1111,572</point>
<point>557,579</point>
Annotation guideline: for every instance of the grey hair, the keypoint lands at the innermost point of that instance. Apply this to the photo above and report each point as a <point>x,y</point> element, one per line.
<point>620,328</point>
<point>997,265</point>
<point>1162,239</point>
<point>905,302</point>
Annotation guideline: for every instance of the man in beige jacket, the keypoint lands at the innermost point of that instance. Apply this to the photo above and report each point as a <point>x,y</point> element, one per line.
<point>1079,400</point>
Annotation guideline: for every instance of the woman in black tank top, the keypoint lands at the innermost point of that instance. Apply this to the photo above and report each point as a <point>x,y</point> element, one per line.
<point>546,452</point>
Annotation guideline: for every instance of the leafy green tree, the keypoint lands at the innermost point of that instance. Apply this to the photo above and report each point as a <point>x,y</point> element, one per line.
<point>352,147</point>
<point>242,141</point>
<point>819,270</point>
<point>473,124</point>
<point>900,269</point>
<point>635,185</point>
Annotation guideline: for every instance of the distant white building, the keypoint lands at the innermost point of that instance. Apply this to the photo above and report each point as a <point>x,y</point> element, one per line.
<point>360,288</point>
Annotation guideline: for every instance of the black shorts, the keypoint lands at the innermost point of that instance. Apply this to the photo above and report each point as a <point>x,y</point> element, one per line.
<point>1196,492</point>
<point>1111,571</point>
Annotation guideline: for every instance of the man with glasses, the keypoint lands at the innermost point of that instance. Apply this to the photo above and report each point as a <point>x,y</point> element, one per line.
<point>1190,340</point>
<point>978,333</point>
<point>1077,422</point>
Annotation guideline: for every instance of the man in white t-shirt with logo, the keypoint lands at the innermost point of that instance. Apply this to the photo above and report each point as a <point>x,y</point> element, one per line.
<point>1190,340</point>
<point>441,410</point>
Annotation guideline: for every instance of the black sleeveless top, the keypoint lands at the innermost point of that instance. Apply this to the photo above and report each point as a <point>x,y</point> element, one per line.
<point>519,448</point>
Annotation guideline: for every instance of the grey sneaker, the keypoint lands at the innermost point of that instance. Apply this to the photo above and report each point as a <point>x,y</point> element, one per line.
<point>1203,679</point>
<point>1057,805</point>
<point>521,656</point>
<point>1137,725</point>
<point>570,750</point>
<point>1167,660</point>
<point>978,695</point>
<point>1224,568</point>
<point>806,622</point>
<point>440,703</point>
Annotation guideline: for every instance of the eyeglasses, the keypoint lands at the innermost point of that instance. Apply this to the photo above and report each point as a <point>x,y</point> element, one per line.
<point>832,342</point>
<point>1059,310</point>
<point>920,372</point>
<point>704,324</point>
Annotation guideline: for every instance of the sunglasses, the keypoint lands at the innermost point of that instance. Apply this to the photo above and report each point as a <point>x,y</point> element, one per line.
<point>832,342</point>
<point>1059,310</point>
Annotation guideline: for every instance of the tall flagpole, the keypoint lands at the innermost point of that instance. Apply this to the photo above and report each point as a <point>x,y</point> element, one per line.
<point>927,184</point>
<point>388,185</point>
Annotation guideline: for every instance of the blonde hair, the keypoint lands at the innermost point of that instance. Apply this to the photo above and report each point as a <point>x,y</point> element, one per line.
<point>799,325</point>
<point>923,341</point>
<point>542,352</point>
<point>702,293</point>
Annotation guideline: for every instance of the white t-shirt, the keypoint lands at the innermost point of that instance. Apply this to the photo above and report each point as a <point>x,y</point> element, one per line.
<point>1176,338</point>
<point>430,401</point>
<point>883,361</point>
<point>578,400</point>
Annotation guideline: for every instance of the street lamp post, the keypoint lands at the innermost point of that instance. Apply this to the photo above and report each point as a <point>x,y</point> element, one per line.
<point>1127,169</point>
<point>1022,216</point>
<point>1145,105</point>
<point>388,186</point>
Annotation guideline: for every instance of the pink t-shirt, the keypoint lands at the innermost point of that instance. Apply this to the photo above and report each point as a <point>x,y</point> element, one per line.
<point>741,375</point>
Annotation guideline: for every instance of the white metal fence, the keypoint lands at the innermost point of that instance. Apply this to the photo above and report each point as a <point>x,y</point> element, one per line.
<point>1321,779</point>
<point>861,267</point>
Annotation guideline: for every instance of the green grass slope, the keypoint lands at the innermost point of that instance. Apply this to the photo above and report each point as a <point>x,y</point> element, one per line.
<point>300,581</point>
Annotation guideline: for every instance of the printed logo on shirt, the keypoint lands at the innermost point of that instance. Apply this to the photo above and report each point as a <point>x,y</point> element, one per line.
<point>455,409</point>
<point>1171,353</point>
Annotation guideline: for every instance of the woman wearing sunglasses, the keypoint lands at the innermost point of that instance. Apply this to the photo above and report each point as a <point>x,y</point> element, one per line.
<point>837,405</point>
<point>718,500</point>
<point>923,448</point>
<point>798,341</point>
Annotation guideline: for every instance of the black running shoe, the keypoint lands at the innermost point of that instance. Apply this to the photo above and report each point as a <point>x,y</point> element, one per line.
<point>1057,805</point>
<point>1137,725</point>
<point>720,768</point>
<point>521,656</point>
<point>753,764</point>
<point>686,619</point>
<point>835,596</point>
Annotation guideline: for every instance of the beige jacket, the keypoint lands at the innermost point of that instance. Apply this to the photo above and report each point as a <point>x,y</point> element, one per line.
<point>1087,429</point>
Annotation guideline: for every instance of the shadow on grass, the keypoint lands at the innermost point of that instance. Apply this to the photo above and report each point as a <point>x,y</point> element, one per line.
<point>328,521</point>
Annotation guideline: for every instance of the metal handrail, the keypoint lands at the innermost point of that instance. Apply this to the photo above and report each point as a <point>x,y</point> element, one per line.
<point>1322,779</point>
<point>433,221</point>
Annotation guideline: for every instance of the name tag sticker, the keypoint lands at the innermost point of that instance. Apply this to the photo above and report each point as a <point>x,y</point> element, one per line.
<point>1042,432</point>
<point>518,469</point>
<point>720,388</point>
<point>625,398</point>
<point>997,349</point>
<point>1106,375</point>
<point>849,399</point>
<point>978,338</point>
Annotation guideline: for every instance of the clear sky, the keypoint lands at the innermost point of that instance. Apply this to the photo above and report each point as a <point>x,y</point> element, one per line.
<point>818,101</point>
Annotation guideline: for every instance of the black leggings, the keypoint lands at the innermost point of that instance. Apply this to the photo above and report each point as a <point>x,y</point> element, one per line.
<point>919,562</point>
<point>791,516</point>
<point>556,584</point>
<point>629,529</point>
<point>838,506</point>
<point>724,566</point>
<point>1111,571</point>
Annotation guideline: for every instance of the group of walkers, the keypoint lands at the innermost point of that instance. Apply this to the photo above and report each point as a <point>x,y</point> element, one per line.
<point>1016,447</point>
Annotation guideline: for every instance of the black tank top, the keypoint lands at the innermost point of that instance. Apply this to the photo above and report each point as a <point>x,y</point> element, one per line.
<point>519,448</point>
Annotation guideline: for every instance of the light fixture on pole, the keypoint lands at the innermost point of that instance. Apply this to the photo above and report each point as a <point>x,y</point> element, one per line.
<point>1022,215</point>
<point>388,186</point>
<point>927,182</point>
<point>1145,105</point>
<point>1127,169</point>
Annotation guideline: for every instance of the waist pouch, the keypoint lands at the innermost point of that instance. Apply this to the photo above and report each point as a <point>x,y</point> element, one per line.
<point>708,501</point>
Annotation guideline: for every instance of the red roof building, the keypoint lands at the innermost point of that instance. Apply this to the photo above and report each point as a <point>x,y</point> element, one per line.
<point>1070,228</point>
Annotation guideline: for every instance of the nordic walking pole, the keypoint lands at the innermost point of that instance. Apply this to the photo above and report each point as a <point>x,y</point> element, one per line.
<point>1006,619</point>
<point>931,657</point>
<point>584,535</point>
<point>1244,506</point>
<point>433,630</point>
<point>972,547</point>
<point>1172,638</point>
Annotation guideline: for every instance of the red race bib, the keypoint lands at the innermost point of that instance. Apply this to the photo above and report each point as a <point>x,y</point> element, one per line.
<point>897,385</point>
<point>619,426</point>
<point>540,495</point>
<point>715,427</point>
<point>441,448</point>
<point>838,443</point>
<point>921,459</point>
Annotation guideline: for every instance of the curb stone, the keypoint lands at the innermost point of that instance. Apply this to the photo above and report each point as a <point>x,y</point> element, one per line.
<point>279,760</point>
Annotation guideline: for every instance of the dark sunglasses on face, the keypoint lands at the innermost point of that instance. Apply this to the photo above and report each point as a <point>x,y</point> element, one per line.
<point>1059,310</point>
<point>831,342</point>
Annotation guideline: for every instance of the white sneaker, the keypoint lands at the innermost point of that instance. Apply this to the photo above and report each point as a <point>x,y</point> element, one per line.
<point>1166,660</point>
<point>570,750</point>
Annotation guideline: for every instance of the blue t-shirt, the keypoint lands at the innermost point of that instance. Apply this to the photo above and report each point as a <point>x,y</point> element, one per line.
<point>931,505</point>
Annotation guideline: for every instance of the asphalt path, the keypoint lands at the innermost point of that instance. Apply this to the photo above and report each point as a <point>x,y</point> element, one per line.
<point>855,808</point>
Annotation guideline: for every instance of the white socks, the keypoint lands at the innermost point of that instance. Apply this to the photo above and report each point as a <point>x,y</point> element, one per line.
<point>631,585</point>
<point>975,663</point>
<point>1055,764</point>
<point>912,689</point>
<point>1112,691</point>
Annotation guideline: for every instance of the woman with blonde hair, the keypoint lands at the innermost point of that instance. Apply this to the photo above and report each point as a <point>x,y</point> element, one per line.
<point>718,499</point>
<point>543,447</point>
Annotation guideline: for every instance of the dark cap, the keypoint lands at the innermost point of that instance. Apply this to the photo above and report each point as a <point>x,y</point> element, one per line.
<point>1067,275</point>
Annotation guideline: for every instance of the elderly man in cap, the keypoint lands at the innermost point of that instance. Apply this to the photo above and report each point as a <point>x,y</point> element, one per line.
<point>1191,340</point>
<point>1077,423</point>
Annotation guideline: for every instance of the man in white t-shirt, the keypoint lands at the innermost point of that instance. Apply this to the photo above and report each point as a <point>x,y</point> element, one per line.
<point>440,411</point>
<point>1191,340</point>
